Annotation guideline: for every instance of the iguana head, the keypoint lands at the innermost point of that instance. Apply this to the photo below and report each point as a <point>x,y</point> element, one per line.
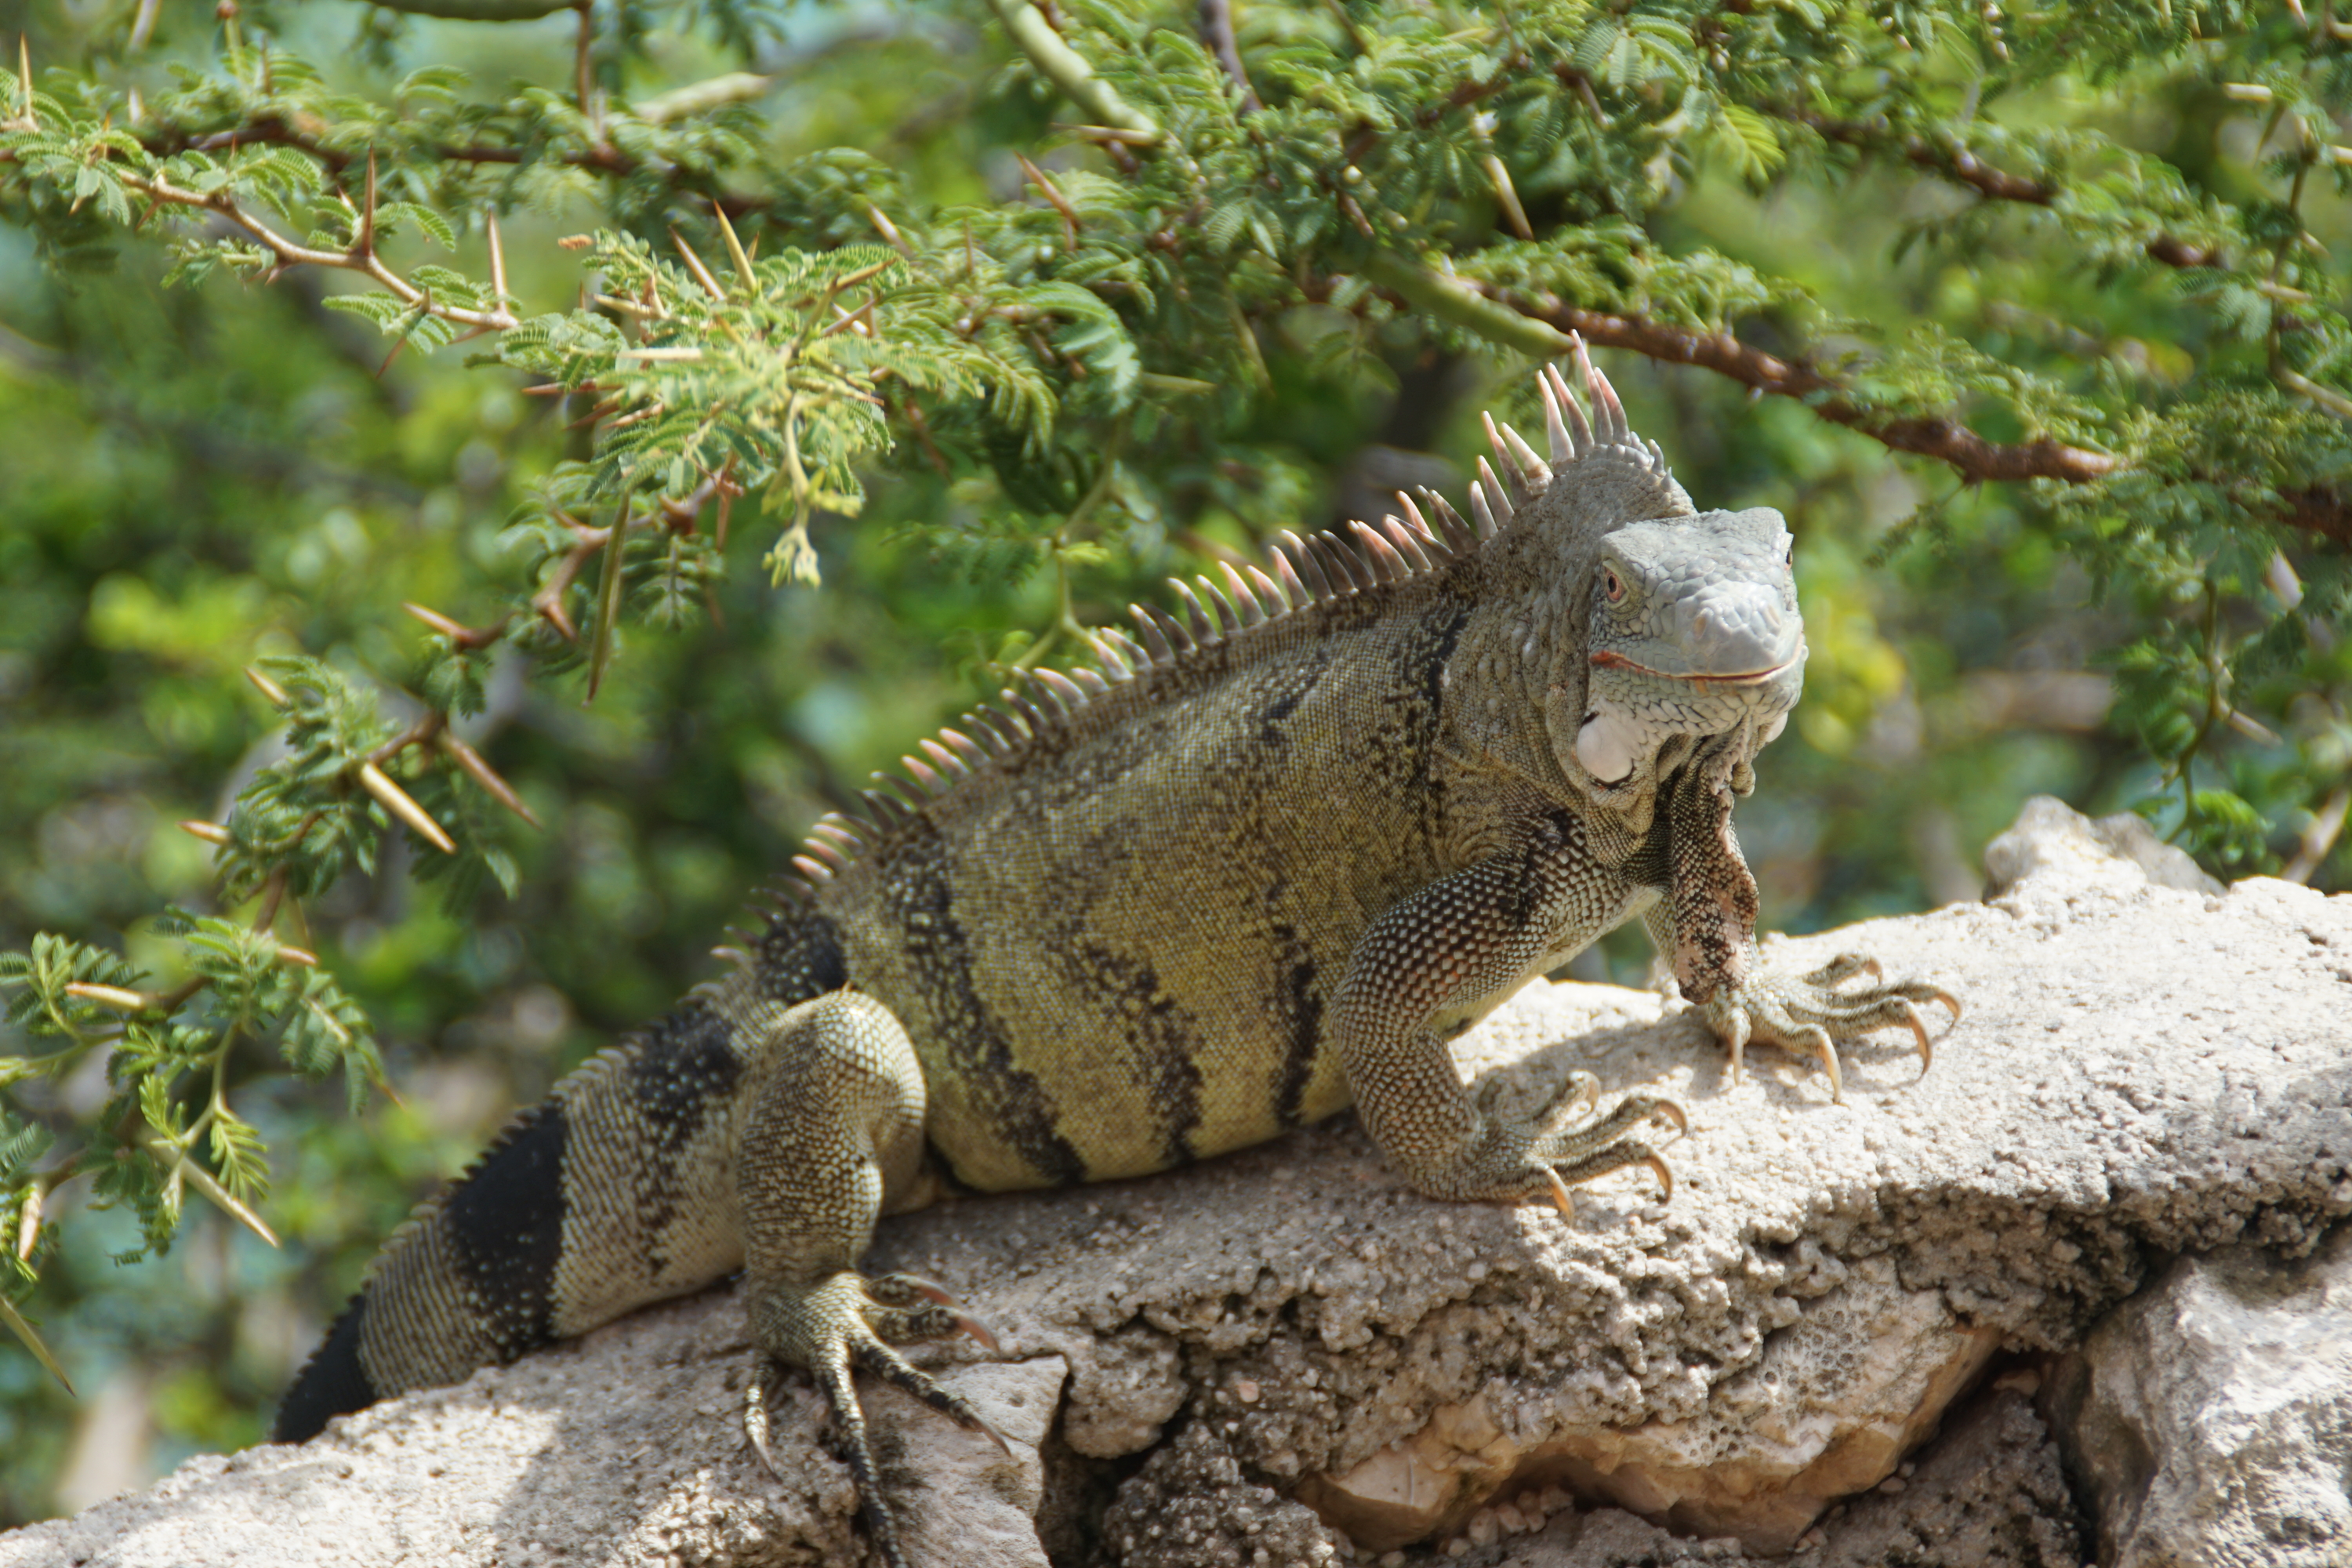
<point>1641,626</point>
<point>1694,631</point>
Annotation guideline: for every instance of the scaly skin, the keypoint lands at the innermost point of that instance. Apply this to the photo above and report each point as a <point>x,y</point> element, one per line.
<point>1261,867</point>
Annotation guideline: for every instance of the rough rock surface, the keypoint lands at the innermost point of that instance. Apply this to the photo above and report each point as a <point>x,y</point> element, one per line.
<point>2211,1414</point>
<point>1989,1493</point>
<point>2052,839</point>
<point>2143,1071</point>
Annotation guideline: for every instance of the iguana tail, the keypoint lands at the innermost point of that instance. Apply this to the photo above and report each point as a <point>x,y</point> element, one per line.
<point>616,1190</point>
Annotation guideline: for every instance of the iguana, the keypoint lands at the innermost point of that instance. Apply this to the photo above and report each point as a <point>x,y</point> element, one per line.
<point>1255,868</point>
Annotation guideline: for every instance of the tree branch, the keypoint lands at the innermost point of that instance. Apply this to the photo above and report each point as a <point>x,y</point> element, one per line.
<point>1217,37</point>
<point>1963,167</point>
<point>361,258</point>
<point>1069,71</point>
<point>481,10</point>
<point>1541,327</point>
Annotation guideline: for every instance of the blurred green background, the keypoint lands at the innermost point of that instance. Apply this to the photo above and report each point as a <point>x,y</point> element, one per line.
<point>193,477</point>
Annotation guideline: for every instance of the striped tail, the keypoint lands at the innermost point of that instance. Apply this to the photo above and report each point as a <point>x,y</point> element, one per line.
<point>616,1191</point>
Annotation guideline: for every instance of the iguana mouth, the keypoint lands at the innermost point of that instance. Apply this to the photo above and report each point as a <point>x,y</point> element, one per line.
<point>1608,660</point>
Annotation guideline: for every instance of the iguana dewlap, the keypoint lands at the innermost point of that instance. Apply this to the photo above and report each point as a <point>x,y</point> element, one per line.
<point>1258,867</point>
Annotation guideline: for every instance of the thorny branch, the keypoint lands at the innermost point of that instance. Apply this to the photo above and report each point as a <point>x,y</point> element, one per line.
<point>1540,325</point>
<point>361,258</point>
<point>1964,167</point>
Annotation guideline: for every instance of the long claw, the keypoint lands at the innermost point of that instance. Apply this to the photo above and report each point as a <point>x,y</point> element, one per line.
<point>1825,1049</point>
<point>1003,1445</point>
<point>1559,1193</point>
<point>929,1289</point>
<point>755,1419</point>
<point>979,1331</point>
<point>1918,1028</point>
<point>1735,1030</point>
<point>1666,1178</point>
<point>1672,1114</point>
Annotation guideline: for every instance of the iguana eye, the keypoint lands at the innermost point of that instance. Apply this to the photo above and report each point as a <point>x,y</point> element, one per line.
<point>1611,584</point>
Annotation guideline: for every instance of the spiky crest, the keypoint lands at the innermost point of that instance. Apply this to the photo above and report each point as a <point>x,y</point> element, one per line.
<point>1239,610</point>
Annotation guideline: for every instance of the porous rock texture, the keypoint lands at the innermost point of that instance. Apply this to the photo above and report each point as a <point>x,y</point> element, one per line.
<point>2210,1416</point>
<point>2144,1071</point>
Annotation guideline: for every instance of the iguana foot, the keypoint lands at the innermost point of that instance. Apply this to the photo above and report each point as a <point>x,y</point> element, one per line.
<point>1568,1142</point>
<point>1809,1015</point>
<point>847,1321</point>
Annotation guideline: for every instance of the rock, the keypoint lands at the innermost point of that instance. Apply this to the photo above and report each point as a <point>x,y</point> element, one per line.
<point>1835,1400</point>
<point>2122,851</point>
<point>1192,1506</point>
<point>625,1448</point>
<point>2143,1073</point>
<point>2211,1414</point>
<point>1989,1493</point>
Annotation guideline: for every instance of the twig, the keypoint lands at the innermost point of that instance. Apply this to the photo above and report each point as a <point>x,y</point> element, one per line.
<point>582,66</point>
<point>702,96</point>
<point>2320,837</point>
<point>549,600</point>
<point>361,259</point>
<point>1964,167</point>
<point>1069,71</point>
<point>1540,327</point>
<point>1053,198</point>
<point>1217,37</point>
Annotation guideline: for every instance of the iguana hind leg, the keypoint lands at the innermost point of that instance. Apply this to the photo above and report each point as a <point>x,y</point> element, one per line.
<point>832,1135</point>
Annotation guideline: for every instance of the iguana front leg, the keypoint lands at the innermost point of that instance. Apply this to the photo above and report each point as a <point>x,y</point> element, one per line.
<point>1461,940</point>
<point>1706,927</point>
<point>832,1132</point>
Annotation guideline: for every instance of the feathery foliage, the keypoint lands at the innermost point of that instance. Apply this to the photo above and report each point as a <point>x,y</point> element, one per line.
<point>907,343</point>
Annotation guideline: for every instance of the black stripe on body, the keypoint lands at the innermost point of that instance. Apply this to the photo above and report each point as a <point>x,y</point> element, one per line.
<point>1163,1036</point>
<point>1443,632</point>
<point>684,1072</point>
<point>800,957</point>
<point>331,1382</point>
<point>1298,1004</point>
<point>505,1223</point>
<point>920,905</point>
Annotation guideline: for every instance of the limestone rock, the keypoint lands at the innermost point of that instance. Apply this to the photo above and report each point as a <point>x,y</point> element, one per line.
<point>1989,1492</point>
<point>2211,1414</point>
<point>2143,1073</point>
<point>1192,1506</point>
<point>2121,851</point>
<point>624,1450</point>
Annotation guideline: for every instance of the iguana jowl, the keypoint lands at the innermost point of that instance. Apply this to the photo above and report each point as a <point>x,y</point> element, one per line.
<point>1258,867</point>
